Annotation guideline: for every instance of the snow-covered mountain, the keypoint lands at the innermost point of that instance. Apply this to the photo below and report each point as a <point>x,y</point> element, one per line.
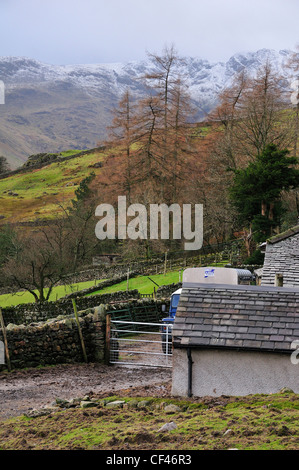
<point>52,108</point>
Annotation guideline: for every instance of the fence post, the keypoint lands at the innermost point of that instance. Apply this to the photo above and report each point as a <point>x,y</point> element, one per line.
<point>128,276</point>
<point>165,263</point>
<point>5,341</point>
<point>79,330</point>
<point>108,337</point>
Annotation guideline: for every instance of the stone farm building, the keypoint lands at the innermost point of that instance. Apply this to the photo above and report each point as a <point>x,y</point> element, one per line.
<point>281,264</point>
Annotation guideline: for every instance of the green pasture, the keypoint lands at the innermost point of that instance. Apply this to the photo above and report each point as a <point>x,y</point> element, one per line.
<point>41,193</point>
<point>147,284</point>
<point>144,284</point>
<point>9,300</point>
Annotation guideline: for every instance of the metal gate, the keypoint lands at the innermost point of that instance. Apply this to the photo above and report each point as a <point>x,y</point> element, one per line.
<point>140,343</point>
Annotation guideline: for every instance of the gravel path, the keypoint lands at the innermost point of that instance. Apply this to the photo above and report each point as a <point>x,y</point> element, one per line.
<point>21,391</point>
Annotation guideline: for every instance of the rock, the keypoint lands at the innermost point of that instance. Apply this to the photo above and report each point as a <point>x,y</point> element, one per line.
<point>168,427</point>
<point>61,401</point>
<point>75,401</point>
<point>117,403</point>
<point>171,408</point>
<point>37,413</point>
<point>86,398</point>
<point>52,407</point>
<point>143,403</point>
<point>286,390</point>
<point>88,404</point>
<point>228,432</point>
<point>132,404</point>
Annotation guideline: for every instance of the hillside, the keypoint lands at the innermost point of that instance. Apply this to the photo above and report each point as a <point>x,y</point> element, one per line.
<point>39,193</point>
<point>30,194</point>
<point>50,108</point>
<point>49,118</point>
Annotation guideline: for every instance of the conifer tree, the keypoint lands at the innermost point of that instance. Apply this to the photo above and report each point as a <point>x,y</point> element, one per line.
<point>256,190</point>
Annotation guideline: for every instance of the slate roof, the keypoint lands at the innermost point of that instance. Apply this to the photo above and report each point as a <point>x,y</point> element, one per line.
<point>237,317</point>
<point>282,236</point>
<point>282,256</point>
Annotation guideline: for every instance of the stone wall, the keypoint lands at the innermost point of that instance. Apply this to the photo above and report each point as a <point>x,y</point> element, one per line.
<point>103,271</point>
<point>34,312</point>
<point>28,313</point>
<point>100,286</point>
<point>166,291</point>
<point>57,341</point>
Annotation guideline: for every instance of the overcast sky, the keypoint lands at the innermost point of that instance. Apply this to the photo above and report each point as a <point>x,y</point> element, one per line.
<point>98,31</point>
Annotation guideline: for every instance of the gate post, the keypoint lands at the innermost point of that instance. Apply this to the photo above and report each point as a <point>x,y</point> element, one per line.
<point>2,324</point>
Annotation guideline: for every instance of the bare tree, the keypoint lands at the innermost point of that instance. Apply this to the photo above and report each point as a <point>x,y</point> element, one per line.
<point>122,134</point>
<point>293,66</point>
<point>252,112</point>
<point>227,115</point>
<point>261,120</point>
<point>40,264</point>
<point>167,82</point>
<point>163,77</point>
<point>58,248</point>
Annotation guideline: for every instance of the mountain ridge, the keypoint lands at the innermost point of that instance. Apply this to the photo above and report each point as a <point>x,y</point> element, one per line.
<point>50,108</point>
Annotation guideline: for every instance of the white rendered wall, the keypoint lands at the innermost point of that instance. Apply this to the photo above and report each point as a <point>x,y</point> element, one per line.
<point>234,373</point>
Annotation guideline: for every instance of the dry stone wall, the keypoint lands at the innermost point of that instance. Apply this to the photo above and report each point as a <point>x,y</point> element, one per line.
<point>166,291</point>
<point>28,313</point>
<point>57,341</point>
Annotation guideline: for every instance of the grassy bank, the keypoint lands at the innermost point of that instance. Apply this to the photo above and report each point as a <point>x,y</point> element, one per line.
<point>260,422</point>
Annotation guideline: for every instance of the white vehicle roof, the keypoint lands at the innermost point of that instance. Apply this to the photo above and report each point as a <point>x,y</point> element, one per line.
<point>179,291</point>
<point>214,275</point>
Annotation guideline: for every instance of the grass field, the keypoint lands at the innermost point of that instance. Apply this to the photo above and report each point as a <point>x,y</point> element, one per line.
<point>145,285</point>
<point>142,283</point>
<point>8,300</point>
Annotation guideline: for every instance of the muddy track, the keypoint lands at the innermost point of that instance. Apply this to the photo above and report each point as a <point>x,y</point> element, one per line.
<point>21,391</point>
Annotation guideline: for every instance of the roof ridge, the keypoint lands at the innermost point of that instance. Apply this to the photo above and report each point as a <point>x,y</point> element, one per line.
<point>283,235</point>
